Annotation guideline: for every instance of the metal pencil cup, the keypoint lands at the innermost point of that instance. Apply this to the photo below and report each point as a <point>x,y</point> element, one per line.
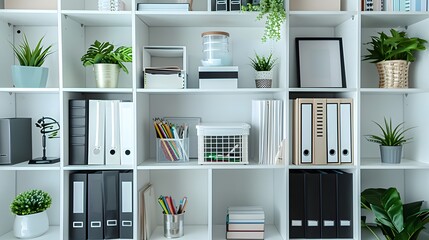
<point>173,225</point>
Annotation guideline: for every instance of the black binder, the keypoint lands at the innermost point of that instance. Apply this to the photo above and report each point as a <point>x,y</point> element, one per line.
<point>95,206</point>
<point>126,205</point>
<point>77,206</point>
<point>345,204</point>
<point>328,201</point>
<point>312,204</point>
<point>296,204</point>
<point>111,204</point>
<point>78,132</point>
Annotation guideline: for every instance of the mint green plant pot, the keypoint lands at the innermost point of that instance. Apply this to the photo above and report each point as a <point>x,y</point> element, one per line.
<point>29,77</point>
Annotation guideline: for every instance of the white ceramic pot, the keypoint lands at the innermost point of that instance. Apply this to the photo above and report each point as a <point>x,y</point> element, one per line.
<point>31,226</point>
<point>106,75</point>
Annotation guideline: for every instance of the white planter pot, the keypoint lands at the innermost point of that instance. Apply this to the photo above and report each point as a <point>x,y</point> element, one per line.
<point>263,79</point>
<point>106,75</point>
<point>31,226</point>
<point>29,77</point>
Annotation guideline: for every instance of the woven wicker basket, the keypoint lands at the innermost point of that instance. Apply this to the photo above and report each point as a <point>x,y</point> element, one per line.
<point>393,73</point>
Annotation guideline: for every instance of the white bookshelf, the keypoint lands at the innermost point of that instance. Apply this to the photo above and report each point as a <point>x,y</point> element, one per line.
<point>210,188</point>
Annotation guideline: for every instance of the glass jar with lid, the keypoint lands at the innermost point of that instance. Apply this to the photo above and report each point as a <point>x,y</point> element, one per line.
<point>216,49</point>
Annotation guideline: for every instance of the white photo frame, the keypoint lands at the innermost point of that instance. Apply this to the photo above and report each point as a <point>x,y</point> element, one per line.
<point>320,62</point>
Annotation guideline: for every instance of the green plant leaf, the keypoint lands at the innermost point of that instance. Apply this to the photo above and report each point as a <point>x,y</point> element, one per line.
<point>28,57</point>
<point>103,52</point>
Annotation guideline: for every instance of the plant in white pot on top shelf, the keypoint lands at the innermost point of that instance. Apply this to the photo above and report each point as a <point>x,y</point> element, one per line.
<point>30,208</point>
<point>30,72</point>
<point>391,140</point>
<point>264,70</point>
<point>107,62</point>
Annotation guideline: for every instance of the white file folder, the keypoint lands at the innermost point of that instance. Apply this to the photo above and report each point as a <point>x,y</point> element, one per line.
<point>96,132</point>
<point>126,126</point>
<point>112,144</point>
<point>345,131</point>
<point>332,131</point>
<point>306,133</point>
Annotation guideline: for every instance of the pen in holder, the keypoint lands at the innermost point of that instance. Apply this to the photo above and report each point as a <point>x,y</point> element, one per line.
<point>172,150</point>
<point>173,225</point>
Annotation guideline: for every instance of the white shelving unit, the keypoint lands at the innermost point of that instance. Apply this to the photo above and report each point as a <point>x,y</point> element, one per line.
<point>210,189</point>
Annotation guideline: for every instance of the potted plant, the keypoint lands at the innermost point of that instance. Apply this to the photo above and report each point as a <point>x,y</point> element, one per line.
<point>30,208</point>
<point>392,56</point>
<point>275,15</point>
<point>263,66</point>
<point>391,141</point>
<point>395,219</point>
<point>107,62</point>
<point>30,72</point>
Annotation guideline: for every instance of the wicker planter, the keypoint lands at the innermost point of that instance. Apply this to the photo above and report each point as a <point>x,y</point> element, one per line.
<point>263,79</point>
<point>393,73</point>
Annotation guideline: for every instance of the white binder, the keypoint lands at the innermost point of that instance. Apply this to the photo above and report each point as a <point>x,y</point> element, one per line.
<point>96,132</point>
<point>112,144</point>
<point>345,131</point>
<point>332,131</point>
<point>126,126</point>
<point>306,133</point>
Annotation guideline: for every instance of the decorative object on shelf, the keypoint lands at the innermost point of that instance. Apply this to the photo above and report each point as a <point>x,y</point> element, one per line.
<point>391,141</point>
<point>392,56</point>
<point>395,219</point>
<point>320,62</point>
<point>173,216</point>
<point>30,208</point>
<point>264,70</point>
<point>111,5</point>
<point>216,49</point>
<point>107,62</point>
<point>51,127</point>
<point>30,73</point>
<point>275,15</point>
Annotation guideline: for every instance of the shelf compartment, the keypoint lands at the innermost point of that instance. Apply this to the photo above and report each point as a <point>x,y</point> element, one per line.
<point>391,19</point>
<point>24,166</point>
<point>375,163</point>
<point>52,233</point>
<point>30,17</point>
<point>100,18</point>
<point>193,164</point>
<point>391,90</point>
<point>192,232</point>
<point>271,233</point>
<point>199,19</point>
<point>211,91</point>
<point>319,18</point>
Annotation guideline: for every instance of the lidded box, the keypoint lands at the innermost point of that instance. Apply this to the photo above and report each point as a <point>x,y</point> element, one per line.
<point>216,49</point>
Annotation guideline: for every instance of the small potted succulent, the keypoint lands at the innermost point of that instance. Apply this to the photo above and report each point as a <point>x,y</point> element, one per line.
<point>391,141</point>
<point>264,70</point>
<point>392,56</point>
<point>107,62</point>
<point>30,72</point>
<point>30,208</point>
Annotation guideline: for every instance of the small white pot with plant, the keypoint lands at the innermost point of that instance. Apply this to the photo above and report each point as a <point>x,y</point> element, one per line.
<point>30,208</point>
<point>264,70</point>
<point>391,141</point>
<point>30,73</point>
<point>107,62</point>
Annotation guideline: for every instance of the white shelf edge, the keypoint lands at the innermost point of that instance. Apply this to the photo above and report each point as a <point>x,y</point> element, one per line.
<point>375,163</point>
<point>322,89</point>
<point>52,233</point>
<point>191,232</point>
<point>328,166</point>
<point>30,90</point>
<point>99,90</point>
<point>271,232</point>
<point>29,167</point>
<point>215,91</point>
<point>393,90</point>
<point>151,164</point>
<point>97,167</point>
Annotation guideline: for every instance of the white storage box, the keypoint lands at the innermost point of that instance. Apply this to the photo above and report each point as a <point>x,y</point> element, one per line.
<point>225,143</point>
<point>315,5</point>
<point>165,81</point>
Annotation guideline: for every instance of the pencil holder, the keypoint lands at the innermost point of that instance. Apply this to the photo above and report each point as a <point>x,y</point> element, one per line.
<point>173,225</point>
<point>171,150</point>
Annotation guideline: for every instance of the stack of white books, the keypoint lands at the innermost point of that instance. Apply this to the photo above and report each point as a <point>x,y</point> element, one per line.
<point>245,223</point>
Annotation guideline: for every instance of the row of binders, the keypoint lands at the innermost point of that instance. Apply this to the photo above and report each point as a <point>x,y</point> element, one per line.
<point>101,205</point>
<point>101,132</point>
<point>395,5</point>
<point>320,204</point>
<point>322,131</point>
<point>245,222</point>
<point>267,127</point>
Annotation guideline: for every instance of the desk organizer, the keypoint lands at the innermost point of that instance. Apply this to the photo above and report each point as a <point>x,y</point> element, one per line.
<point>170,150</point>
<point>223,143</point>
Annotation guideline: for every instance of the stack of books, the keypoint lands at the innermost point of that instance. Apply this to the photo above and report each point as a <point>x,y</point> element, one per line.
<point>245,223</point>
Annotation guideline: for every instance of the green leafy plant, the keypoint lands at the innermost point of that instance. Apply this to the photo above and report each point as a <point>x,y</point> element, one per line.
<point>397,221</point>
<point>390,136</point>
<point>31,202</point>
<point>262,63</point>
<point>275,17</point>
<point>103,52</point>
<point>397,46</point>
<point>31,57</point>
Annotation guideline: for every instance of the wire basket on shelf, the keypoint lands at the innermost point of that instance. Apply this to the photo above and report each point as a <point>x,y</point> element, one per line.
<point>393,73</point>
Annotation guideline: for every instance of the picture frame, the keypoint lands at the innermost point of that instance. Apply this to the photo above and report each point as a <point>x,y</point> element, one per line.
<point>320,62</point>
